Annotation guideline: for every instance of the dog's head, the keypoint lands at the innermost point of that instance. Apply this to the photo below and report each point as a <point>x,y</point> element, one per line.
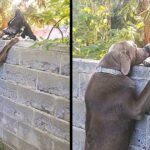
<point>18,24</point>
<point>15,24</point>
<point>17,21</point>
<point>128,54</point>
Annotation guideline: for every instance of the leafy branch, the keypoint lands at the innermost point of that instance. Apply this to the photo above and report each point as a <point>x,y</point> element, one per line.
<point>57,27</point>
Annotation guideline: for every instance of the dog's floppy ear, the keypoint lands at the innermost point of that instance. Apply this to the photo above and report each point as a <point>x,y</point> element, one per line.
<point>125,62</point>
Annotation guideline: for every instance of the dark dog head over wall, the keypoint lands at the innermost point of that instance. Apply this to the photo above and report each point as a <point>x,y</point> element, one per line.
<point>18,25</point>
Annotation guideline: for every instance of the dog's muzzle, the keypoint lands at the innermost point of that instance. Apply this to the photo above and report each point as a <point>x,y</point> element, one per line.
<point>10,31</point>
<point>147,48</point>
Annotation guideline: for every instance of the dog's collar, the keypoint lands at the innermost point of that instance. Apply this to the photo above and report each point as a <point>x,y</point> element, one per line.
<point>107,70</point>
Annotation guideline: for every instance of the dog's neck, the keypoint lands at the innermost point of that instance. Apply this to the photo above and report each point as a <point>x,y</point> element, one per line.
<point>108,61</point>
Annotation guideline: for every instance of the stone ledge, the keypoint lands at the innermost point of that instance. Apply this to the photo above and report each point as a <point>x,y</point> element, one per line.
<point>29,43</point>
<point>84,65</point>
<point>88,66</point>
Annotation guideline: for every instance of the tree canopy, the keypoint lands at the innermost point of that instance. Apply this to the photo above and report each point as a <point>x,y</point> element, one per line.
<point>37,12</point>
<point>99,24</point>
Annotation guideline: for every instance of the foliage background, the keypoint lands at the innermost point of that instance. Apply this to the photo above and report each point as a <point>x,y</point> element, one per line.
<point>38,13</point>
<point>97,24</point>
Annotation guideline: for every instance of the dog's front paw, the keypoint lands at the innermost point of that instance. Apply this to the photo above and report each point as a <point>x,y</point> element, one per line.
<point>147,48</point>
<point>146,62</point>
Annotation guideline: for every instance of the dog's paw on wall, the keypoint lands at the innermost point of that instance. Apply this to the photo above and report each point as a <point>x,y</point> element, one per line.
<point>146,62</point>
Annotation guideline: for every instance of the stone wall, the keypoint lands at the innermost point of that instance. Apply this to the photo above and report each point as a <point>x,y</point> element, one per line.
<point>34,98</point>
<point>82,70</point>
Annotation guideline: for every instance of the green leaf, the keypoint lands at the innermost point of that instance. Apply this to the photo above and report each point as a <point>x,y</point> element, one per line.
<point>140,25</point>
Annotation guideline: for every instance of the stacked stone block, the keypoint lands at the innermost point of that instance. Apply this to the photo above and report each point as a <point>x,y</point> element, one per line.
<point>34,98</point>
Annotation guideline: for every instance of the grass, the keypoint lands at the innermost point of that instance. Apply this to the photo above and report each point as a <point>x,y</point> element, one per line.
<point>2,146</point>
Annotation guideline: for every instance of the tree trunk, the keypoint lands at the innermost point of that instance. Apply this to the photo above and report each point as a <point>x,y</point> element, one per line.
<point>4,24</point>
<point>92,6</point>
<point>144,7</point>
